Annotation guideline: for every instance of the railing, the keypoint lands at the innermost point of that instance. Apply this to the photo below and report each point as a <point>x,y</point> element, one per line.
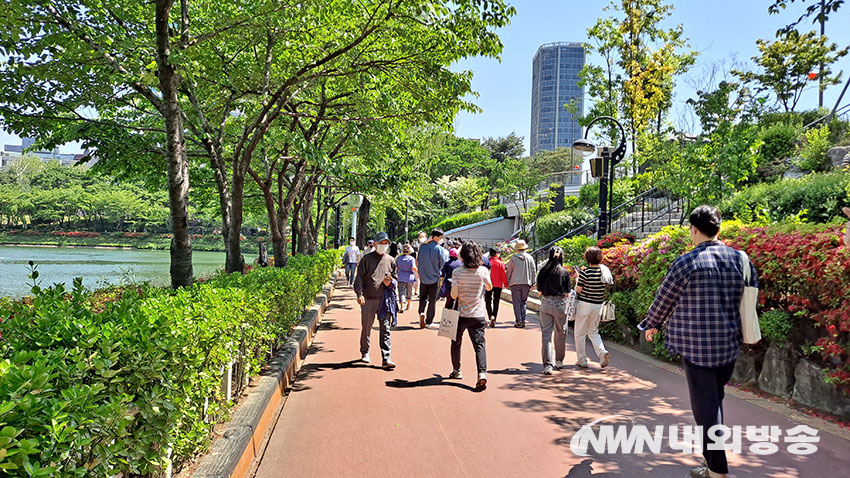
<point>647,208</point>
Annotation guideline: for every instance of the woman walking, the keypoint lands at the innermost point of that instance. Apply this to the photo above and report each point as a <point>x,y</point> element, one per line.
<point>499,279</point>
<point>407,274</point>
<point>553,282</point>
<point>448,269</point>
<point>469,283</point>
<point>591,294</point>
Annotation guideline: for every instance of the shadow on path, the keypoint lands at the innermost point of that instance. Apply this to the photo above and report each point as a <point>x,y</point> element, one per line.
<point>428,382</point>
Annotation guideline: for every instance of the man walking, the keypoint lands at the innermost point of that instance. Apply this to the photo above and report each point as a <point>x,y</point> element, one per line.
<point>699,299</point>
<point>350,258</point>
<point>522,272</point>
<point>430,260</point>
<point>376,271</point>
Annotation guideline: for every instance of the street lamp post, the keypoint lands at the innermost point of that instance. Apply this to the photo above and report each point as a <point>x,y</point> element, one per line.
<point>606,181</point>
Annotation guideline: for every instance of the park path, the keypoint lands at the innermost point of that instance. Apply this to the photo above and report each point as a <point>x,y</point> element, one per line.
<point>347,419</point>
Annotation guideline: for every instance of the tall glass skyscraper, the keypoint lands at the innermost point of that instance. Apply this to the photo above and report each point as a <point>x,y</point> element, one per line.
<point>554,82</point>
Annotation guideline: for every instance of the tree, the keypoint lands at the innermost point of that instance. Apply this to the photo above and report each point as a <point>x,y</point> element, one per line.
<point>784,66</point>
<point>820,11</point>
<point>641,61</point>
<point>518,182</point>
<point>506,147</point>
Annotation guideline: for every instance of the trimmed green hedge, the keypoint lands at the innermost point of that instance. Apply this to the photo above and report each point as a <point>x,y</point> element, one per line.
<point>556,224</point>
<point>821,195</point>
<point>97,384</point>
<point>467,218</point>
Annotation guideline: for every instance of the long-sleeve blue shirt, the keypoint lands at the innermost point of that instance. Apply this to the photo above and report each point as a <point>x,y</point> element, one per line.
<point>431,258</point>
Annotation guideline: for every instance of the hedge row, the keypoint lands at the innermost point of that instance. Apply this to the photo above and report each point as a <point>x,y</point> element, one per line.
<point>803,270</point>
<point>467,218</point>
<point>821,195</point>
<point>556,224</point>
<point>97,384</point>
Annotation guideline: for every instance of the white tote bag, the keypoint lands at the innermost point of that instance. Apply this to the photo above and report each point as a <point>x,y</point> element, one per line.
<point>607,313</point>
<point>448,324</point>
<point>749,318</point>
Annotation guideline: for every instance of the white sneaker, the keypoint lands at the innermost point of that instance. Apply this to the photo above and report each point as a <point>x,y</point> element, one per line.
<point>559,364</point>
<point>456,374</point>
<point>365,358</point>
<point>482,381</point>
<point>434,325</point>
<point>547,370</point>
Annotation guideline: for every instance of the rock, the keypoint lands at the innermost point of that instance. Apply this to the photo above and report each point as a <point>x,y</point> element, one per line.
<point>748,367</point>
<point>837,154</point>
<point>811,390</point>
<point>793,172</point>
<point>777,371</point>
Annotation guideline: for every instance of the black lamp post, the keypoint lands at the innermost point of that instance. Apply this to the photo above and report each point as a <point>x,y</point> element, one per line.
<point>605,166</point>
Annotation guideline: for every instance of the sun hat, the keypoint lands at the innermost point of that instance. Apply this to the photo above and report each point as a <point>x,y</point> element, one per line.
<point>521,245</point>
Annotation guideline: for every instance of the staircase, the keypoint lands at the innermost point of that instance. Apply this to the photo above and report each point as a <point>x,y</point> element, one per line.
<point>648,216</point>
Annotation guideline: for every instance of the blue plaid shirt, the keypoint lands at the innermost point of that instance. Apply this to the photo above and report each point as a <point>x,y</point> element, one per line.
<point>700,296</point>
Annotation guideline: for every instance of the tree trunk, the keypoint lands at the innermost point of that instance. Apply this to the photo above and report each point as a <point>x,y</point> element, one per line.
<point>306,240</point>
<point>235,262</point>
<point>363,221</point>
<point>178,165</point>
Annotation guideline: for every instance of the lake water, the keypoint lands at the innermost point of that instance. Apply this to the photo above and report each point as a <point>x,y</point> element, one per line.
<point>97,267</point>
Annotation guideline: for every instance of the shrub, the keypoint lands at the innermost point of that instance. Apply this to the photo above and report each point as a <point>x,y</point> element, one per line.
<point>556,224</point>
<point>615,238</point>
<point>775,325</point>
<point>820,195</point>
<point>814,150</point>
<point>779,141</point>
<point>574,248</point>
<point>102,384</point>
<point>467,218</point>
<point>588,195</point>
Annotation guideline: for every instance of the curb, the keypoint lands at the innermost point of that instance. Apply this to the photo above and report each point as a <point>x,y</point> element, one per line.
<point>533,302</point>
<point>232,455</point>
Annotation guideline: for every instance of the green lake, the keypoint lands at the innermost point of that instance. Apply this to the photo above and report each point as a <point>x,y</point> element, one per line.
<point>97,267</point>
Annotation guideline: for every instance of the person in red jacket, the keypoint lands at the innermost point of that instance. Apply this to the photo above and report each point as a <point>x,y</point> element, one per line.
<point>492,298</point>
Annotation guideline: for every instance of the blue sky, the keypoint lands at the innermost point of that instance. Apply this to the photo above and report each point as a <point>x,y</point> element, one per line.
<point>721,30</point>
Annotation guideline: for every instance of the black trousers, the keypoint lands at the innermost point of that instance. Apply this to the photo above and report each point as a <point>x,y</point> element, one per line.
<point>475,326</point>
<point>492,299</point>
<point>705,385</point>
<point>428,295</point>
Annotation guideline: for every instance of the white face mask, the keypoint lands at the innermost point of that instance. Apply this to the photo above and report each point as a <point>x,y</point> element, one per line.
<point>351,243</point>
<point>381,248</point>
<point>422,240</point>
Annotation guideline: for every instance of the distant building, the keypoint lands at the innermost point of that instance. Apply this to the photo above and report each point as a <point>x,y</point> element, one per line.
<point>13,152</point>
<point>554,82</point>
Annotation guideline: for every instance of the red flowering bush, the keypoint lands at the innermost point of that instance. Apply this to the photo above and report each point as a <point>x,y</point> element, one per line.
<point>804,269</point>
<point>615,238</point>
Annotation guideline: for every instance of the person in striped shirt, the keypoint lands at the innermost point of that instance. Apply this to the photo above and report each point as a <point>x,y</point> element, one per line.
<point>469,282</point>
<point>591,294</point>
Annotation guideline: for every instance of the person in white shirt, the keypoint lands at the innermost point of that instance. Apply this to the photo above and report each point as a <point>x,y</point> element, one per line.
<point>350,258</point>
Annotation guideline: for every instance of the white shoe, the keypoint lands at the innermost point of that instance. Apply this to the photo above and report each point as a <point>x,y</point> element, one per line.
<point>559,364</point>
<point>365,358</point>
<point>547,370</point>
<point>434,325</point>
<point>482,381</point>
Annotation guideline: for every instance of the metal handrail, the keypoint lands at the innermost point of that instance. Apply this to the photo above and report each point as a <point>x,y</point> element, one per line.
<point>632,202</point>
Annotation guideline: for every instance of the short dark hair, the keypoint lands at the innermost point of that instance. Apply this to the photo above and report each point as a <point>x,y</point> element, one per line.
<point>350,238</point>
<point>470,254</point>
<point>593,255</point>
<point>493,252</point>
<point>706,219</point>
<point>436,232</point>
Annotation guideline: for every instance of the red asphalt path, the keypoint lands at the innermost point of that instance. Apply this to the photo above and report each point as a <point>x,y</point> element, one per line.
<point>347,419</point>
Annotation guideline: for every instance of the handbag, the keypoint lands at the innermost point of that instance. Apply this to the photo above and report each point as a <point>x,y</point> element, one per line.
<point>572,301</point>
<point>750,328</point>
<point>448,323</point>
<point>607,312</point>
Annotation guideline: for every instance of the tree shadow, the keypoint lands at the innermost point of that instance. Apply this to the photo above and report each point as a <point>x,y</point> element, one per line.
<point>436,380</point>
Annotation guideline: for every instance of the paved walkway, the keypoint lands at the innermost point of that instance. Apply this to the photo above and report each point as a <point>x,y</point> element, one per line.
<point>346,419</point>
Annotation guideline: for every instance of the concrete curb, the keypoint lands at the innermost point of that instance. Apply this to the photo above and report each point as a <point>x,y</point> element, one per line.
<point>233,454</point>
<point>533,302</point>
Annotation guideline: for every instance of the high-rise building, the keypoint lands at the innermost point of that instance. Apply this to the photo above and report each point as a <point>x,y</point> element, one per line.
<point>554,83</point>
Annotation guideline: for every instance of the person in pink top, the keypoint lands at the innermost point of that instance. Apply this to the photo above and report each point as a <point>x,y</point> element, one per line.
<point>493,297</point>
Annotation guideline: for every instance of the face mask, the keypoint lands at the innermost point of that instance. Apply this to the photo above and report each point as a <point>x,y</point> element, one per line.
<point>422,240</point>
<point>351,243</point>
<point>382,248</point>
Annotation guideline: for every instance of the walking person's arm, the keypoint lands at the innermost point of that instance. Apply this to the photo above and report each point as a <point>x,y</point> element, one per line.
<point>358,286</point>
<point>666,299</point>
